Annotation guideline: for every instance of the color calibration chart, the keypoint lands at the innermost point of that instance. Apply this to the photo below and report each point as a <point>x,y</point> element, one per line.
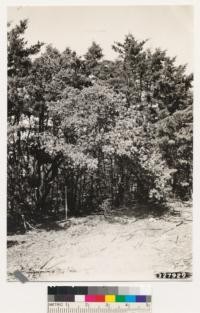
<point>106,299</point>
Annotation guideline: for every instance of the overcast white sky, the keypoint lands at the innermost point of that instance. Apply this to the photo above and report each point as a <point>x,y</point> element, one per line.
<point>167,27</point>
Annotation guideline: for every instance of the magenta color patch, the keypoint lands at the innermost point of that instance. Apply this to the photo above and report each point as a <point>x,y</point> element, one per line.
<point>90,298</point>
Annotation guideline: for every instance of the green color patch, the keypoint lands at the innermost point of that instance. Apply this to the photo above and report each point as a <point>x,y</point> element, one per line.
<point>120,299</point>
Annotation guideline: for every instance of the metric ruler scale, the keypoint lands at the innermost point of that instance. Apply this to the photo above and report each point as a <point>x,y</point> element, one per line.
<point>75,307</point>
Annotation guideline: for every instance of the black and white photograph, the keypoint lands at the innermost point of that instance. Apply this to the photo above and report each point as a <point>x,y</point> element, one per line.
<point>99,143</point>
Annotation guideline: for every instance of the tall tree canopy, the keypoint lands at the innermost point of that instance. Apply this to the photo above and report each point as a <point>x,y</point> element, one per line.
<point>108,132</point>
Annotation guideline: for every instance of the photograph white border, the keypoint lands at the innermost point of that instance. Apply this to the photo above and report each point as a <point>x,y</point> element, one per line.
<point>168,297</point>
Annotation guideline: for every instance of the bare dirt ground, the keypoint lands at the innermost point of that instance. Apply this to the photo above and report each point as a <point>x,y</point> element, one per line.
<point>95,248</point>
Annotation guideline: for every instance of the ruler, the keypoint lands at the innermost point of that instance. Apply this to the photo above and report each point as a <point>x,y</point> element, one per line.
<point>84,307</point>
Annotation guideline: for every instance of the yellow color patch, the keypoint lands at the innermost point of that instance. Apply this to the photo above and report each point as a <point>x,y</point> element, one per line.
<point>109,298</point>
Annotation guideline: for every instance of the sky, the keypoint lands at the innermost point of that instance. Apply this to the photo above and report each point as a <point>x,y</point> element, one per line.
<point>167,27</point>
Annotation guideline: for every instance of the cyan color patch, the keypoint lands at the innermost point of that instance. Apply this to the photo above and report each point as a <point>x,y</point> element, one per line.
<point>130,298</point>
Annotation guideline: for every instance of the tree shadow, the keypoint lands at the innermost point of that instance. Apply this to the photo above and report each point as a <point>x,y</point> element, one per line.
<point>11,243</point>
<point>56,225</point>
<point>141,211</point>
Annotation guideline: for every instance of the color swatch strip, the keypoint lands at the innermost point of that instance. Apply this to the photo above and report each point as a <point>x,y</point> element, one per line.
<point>97,294</point>
<point>100,298</point>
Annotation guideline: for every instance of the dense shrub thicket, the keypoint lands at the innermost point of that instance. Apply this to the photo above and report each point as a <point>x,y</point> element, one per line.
<point>100,133</point>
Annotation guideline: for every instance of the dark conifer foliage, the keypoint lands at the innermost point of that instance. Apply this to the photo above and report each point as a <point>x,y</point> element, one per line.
<point>107,133</point>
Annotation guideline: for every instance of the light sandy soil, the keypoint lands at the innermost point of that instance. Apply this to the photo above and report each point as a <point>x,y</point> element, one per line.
<point>95,249</point>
